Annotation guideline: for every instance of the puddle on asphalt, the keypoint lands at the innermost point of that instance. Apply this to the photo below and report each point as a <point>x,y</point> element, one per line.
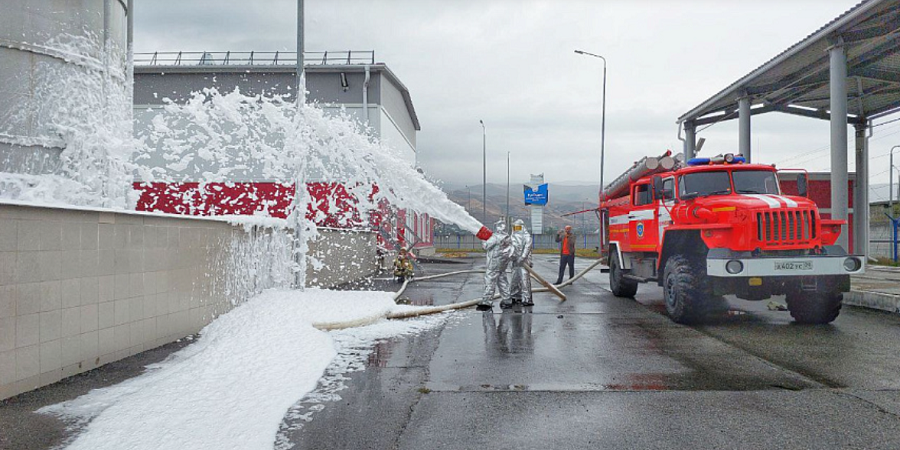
<point>634,382</point>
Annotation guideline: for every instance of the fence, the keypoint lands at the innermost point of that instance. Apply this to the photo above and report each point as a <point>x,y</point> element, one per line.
<point>540,241</point>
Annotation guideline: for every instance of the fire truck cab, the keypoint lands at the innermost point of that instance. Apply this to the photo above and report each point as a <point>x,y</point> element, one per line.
<point>719,226</point>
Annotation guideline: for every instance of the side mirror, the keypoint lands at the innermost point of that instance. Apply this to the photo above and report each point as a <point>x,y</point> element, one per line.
<point>802,184</point>
<point>657,187</point>
<point>667,194</point>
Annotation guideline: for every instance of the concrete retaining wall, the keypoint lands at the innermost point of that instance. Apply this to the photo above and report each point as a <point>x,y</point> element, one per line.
<point>81,288</point>
<point>341,256</point>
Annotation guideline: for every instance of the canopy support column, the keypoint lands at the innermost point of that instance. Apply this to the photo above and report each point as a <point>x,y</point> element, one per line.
<point>861,191</point>
<point>744,127</point>
<point>838,94</point>
<point>690,141</point>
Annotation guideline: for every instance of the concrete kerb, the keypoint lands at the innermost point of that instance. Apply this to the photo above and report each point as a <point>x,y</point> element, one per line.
<point>873,300</point>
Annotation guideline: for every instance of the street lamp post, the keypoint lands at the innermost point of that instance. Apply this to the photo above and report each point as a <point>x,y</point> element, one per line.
<point>603,119</point>
<point>469,201</point>
<point>483,173</point>
<point>602,128</point>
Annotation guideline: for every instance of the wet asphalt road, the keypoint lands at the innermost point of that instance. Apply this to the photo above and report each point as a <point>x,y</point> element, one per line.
<point>601,372</point>
<point>595,371</point>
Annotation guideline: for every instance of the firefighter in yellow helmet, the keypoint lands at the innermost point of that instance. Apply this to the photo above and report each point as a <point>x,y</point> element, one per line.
<point>403,267</point>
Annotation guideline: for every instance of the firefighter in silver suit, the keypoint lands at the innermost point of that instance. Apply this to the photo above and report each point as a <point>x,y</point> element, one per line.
<point>498,250</point>
<point>520,280</point>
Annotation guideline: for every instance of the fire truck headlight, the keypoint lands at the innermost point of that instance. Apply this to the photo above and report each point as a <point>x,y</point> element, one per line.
<point>734,266</point>
<point>852,264</point>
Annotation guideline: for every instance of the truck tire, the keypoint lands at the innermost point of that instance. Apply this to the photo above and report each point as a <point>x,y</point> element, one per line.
<point>685,288</point>
<point>814,308</point>
<point>618,284</point>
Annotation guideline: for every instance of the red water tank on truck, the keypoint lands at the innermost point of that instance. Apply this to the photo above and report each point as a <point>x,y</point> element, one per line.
<point>720,226</point>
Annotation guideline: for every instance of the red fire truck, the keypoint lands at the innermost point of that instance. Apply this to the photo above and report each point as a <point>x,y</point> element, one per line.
<point>720,226</point>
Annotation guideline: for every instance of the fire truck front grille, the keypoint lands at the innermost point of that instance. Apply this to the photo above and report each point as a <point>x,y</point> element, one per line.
<point>786,227</point>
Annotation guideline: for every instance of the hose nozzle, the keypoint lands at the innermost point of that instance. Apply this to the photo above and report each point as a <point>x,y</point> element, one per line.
<point>484,233</point>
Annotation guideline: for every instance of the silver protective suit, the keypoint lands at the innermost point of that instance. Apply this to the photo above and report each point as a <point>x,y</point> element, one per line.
<point>520,279</point>
<point>498,249</point>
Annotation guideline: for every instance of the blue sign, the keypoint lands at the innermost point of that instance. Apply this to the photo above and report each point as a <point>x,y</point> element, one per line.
<point>537,196</point>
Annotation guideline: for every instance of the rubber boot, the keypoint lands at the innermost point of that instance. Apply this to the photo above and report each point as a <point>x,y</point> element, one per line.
<point>484,306</point>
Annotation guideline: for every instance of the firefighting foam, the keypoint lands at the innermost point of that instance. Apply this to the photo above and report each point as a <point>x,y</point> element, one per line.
<point>233,136</point>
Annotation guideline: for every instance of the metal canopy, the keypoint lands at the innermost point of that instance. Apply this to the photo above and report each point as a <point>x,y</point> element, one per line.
<point>797,80</point>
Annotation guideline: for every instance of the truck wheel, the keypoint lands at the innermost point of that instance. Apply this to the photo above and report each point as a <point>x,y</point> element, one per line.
<point>686,288</point>
<point>618,284</point>
<point>814,308</point>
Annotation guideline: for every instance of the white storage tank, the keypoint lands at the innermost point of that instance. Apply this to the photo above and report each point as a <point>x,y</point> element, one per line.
<point>44,44</point>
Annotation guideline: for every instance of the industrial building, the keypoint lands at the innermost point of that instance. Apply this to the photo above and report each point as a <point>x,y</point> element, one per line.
<point>348,82</point>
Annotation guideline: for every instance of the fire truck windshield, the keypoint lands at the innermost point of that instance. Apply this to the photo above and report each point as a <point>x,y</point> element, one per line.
<point>755,182</point>
<point>701,184</point>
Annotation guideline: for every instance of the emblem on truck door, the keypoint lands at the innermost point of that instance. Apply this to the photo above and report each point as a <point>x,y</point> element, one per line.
<point>640,229</point>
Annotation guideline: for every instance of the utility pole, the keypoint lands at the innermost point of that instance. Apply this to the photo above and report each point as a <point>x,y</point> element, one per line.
<point>301,82</point>
<point>483,173</point>
<point>299,208</point>
<point>583,229</point>
<point>891,182</point>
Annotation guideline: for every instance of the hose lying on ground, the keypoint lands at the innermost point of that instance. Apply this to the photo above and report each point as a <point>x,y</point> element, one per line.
<point>432,277</point>
<point>368,320</point>
<point>433,309</point>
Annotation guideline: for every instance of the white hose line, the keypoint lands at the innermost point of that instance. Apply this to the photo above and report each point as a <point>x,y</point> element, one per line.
<point>432,309</point>
<point>363,321</point>
<point>360,322</point>
<point>473,302</point>
<point>573,279</point>
<point>431,277</point>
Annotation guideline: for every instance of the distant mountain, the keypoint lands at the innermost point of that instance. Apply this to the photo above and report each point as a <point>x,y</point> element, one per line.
<point>563,200</point>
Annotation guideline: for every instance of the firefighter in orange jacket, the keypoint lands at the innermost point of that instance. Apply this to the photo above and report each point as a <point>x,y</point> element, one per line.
<point>566,253</point>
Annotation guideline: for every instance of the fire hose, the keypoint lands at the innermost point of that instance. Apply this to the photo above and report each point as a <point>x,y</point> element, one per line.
<point>453,306</point>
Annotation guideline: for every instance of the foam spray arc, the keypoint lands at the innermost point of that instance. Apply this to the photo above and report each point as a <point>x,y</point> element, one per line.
<point>233,136</point>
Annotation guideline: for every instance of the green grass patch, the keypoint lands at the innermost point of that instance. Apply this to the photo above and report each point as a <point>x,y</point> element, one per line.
<point>881,261</point>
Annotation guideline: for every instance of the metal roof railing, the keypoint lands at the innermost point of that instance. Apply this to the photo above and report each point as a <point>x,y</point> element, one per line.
<point>343,57</point>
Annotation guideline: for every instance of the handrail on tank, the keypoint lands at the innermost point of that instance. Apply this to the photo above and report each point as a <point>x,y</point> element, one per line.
<point>252,58</point>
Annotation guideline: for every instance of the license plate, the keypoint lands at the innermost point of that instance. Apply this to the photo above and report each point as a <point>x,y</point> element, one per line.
<point>793,265</point>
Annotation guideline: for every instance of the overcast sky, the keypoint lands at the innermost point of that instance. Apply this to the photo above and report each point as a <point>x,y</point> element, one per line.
<point>512,64</point>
